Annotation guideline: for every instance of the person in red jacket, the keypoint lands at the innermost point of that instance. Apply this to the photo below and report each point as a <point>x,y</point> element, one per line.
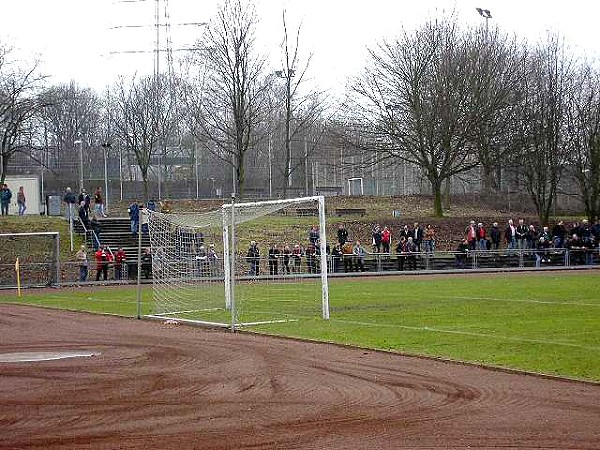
<point>386,238</point>
<point>103,257</point>
<point>120,259</point>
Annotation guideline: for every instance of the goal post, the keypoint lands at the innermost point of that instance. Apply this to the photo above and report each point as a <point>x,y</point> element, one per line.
<point>235,266</point>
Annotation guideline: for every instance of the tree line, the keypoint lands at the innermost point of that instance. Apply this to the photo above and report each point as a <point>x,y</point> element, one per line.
<point>443,97</point>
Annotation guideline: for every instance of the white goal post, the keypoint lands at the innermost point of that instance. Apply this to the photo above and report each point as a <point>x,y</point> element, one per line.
<point>195,253</point>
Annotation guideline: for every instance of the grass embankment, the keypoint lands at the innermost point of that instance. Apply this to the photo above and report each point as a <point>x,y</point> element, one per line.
<point>546,323</point>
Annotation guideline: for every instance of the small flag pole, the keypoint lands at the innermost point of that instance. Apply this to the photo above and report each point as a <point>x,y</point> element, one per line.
<point>17,270</point>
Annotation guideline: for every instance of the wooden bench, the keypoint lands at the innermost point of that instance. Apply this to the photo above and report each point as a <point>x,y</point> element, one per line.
<point>350,211</point>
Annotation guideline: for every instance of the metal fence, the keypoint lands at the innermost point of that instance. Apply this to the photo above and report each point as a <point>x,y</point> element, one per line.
<point>42,274</point>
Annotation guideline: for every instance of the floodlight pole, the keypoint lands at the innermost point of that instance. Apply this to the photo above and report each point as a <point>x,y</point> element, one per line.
<point>80,143</point>
<point>487,15</point>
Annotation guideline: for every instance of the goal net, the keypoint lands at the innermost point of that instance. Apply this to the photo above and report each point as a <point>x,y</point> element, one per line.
<point>245,264</point>
<point>30,259</point>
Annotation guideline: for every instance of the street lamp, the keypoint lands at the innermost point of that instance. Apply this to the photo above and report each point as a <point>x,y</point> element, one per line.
<point>487,15</point>
<point>80,143</point>
<point>105,147</point>
<point>288,119</point>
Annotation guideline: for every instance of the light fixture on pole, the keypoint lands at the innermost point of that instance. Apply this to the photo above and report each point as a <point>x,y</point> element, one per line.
<point>486,14</point>
<point>80,143</point>
<point>105,147</point>
<point>288,119</point>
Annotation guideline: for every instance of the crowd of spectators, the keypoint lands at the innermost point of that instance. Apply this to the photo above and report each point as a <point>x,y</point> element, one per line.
<point>414,242</point>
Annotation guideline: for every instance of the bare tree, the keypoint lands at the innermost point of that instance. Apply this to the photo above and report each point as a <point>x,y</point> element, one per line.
<point>143,119</point>
<point>302,109</point>
<point>494,85</point>
<point>233,101</point>
<point>19,103</point>
<point>414,104</point>
<point>540,135</point>
<point>71,113</point>
<point>583,137</point>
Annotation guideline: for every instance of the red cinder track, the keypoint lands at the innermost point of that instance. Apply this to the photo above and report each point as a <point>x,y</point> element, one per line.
<point>156,386</point>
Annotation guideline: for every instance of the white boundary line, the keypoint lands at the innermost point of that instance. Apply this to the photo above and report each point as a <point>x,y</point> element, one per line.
<point>511,300</point>
<point>468,333</point>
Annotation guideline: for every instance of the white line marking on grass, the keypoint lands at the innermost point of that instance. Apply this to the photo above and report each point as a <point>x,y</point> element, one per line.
<point>469,333</point>
<point>545,302</point>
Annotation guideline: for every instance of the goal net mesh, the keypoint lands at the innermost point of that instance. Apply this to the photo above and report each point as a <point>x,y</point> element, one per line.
<point>256,264</point>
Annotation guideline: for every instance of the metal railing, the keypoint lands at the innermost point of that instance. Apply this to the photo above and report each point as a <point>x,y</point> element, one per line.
<point>36,274</point>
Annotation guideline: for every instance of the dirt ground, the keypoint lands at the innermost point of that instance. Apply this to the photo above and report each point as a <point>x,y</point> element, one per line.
<point>152,385</point>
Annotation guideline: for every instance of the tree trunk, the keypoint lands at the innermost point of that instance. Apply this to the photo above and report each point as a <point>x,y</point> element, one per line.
<point>438,210</point>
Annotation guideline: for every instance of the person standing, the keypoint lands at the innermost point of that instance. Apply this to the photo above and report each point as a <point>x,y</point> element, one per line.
<point>82,260</point>
<point>85,201</point>
<point>471,235</point>
<point>84,215</point>
<point>417,236</point>
<point>521,234</point>
<point>429,238</point>
<point>120,258</point>
<point>297,253</point>
<point>313,235</point>
<point>510,235</point>
<point>386,238</point>
<point>99,202</point>
<point>253,257</point>
<point>342,234</point>
<point>213,260</point>
<point>102,260</point>
<point>147,263</point>
<point>273,260</point>
<point>5,197</point>
<point>21,201</point>
<point>376,235</point>
<point>134,217</point>
<point>70,201</point>
<point>495,236</point>
<point>359,257</point>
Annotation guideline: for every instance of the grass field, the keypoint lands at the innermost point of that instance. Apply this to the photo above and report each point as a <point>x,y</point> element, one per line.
<point>544,322</point>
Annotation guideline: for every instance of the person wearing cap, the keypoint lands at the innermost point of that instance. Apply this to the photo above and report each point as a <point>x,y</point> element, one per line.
<point>82,260</point>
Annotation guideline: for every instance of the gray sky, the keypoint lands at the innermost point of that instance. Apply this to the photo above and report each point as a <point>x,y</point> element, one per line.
<point>75,38</point>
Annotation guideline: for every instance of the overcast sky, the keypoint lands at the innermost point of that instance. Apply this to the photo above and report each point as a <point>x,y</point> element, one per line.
<point>84,40</point>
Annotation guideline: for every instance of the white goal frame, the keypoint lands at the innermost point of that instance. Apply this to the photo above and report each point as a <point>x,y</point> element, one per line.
<point>229,224</point>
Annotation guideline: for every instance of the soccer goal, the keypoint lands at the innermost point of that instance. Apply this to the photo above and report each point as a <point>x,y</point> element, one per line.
<point>30,259</point>
<point>245,264</point>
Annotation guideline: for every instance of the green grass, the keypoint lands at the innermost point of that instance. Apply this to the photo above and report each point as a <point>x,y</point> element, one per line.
<point>547,323</point>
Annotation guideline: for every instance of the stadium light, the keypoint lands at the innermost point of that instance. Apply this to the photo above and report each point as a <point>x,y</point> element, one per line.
<point>487,15</point>
<point>80,143</point>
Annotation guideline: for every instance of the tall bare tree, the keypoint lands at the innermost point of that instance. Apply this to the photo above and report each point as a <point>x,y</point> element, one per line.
<point>19,103</point>
<point>143,119</point>
<point>71,113</point>
<point>494,85</point>
<point>302,108</point>
<point>414,103</point>
<point>540,136</point>
<point>233,100</point>
<point>583,137</point>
